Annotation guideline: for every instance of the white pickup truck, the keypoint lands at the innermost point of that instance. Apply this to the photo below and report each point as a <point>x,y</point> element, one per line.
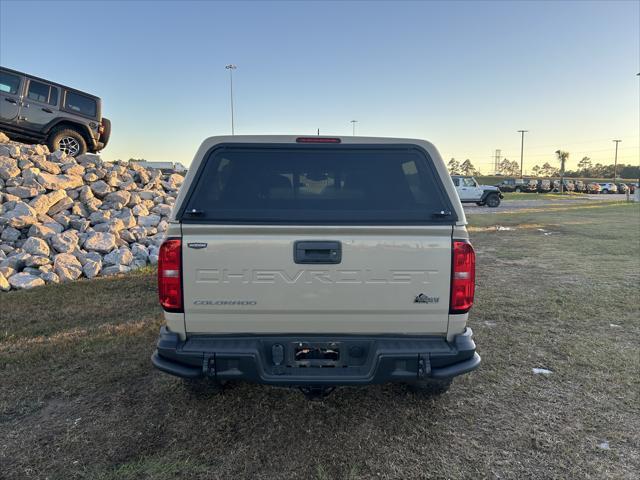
<point>316,262</point>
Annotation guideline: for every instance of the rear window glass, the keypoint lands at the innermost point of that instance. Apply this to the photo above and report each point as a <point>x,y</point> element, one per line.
<point>9,83</point>
<point>81,104</point>
<point>302,184</point>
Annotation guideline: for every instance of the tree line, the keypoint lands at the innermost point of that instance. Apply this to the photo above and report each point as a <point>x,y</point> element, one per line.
<point>586,168</point>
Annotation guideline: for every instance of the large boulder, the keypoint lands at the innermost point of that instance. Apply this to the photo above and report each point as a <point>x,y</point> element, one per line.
<point>42,203</point>
<point>120,197</point>
<point>50,277</point>
<point>114,270</point>
<point>42,163</point>
<point>23,192</point>
<point>8,168</point>
<point>56,182</point>
<point>4,284</point>
<point>25,281</point>
<point>102,242</point>
<point>100,216</point>
<point>65,204</point>
<point>55,208</point>
<point>92,268</point>
<point>149,220</point>
<point>36,246</point>
<point>65,242</point>
<point>100,188</point>
<point>121,256</point>
<point>67,267</point>
<point>40,231</point>
<point>10,234</point>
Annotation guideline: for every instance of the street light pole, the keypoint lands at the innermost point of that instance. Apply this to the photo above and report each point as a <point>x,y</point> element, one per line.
<point>353,127</point>
<point>522,150</point>
<point>231,67</point>
<point>615,162</point>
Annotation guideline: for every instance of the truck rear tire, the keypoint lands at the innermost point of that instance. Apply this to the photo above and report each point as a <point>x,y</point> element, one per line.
<point>431,387</point>
<point>493,200</point>
<point>68,140</point>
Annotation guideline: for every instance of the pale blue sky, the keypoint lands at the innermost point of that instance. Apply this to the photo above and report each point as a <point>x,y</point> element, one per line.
<point>465,75</point>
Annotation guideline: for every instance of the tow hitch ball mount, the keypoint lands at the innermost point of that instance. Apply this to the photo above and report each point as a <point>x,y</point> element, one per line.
<point>316,392</point>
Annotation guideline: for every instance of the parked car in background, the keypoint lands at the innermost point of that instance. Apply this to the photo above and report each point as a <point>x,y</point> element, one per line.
<point>580,186</point>
<point>518,185</point>
<point>544,185</point>
<point>608,188</point>
<point>568,186</point>
<point>593,188</point>
<point>632,187</point>
<point>470,191</point>
<point>36,110</point>
<point>622,187</point>
<point>531,186</point>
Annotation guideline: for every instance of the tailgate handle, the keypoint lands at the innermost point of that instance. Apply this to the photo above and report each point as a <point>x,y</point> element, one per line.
<point>317,251</point>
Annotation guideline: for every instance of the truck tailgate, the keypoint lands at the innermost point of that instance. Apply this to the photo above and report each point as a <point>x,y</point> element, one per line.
<point>243,279</point>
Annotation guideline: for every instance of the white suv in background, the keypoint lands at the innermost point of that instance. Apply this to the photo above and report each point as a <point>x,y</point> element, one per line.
<point>608,188</point>
<point>470,191</point>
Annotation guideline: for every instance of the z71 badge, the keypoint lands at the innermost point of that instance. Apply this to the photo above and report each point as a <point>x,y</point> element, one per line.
<point>422,298</point>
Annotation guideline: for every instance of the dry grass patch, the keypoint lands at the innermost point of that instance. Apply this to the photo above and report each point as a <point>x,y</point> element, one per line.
<point>80,400</point>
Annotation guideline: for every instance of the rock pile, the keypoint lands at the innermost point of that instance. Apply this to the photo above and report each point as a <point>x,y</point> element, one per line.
<point>62,218</point>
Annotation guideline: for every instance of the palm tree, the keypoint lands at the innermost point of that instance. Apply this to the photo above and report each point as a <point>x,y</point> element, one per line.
<point>562,158</point>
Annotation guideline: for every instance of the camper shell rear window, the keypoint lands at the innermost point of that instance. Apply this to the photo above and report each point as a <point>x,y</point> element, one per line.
<point>317,184</point>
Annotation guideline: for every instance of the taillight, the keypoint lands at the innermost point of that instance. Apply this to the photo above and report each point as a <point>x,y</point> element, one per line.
<point>170,275</point>
<point>463,277</point>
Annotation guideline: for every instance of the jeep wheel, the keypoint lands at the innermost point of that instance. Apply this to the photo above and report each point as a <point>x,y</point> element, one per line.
<point>518,190</point>
<point>67,140</point>
<point>605,191</point>
<point>493,200</point>
<point>201,386</point>
<point>430,387</point>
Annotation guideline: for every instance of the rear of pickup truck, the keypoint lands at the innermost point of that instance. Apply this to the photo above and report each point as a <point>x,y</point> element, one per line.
<point>315,262</point>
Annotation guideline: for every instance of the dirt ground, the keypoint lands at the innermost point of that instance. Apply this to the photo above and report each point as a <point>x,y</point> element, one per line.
<point>515,202</point>
<point>556,290</point>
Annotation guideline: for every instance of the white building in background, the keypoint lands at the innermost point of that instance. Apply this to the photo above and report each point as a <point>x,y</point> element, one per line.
<point>176,167</point>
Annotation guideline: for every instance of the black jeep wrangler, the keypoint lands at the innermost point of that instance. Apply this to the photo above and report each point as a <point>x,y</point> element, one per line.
<point>36,110</point>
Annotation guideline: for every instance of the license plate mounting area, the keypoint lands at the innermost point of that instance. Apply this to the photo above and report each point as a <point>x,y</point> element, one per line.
<point>315,354</point>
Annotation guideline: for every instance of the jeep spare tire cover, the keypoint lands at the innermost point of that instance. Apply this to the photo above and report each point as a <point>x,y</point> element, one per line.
<point>106,125</point>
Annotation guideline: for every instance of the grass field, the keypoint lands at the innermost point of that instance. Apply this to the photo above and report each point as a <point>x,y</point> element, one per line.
<point>556,290</point>
<point>562,196</point>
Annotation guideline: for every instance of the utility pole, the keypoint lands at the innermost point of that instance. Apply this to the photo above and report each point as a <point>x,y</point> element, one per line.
<point>496,160</point>
<point>353,127</point>
<point>522,150</point>
<point>615,162</point>
<point>231,67</point>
